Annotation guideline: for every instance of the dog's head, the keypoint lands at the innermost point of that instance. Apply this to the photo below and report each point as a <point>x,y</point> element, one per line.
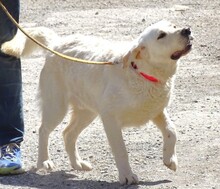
<point>161,43</point>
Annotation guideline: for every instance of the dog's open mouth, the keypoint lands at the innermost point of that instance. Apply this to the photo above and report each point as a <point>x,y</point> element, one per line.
<point>176,55</point>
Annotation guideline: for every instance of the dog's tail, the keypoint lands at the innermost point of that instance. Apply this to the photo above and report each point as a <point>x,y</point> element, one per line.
<point>21,45</point>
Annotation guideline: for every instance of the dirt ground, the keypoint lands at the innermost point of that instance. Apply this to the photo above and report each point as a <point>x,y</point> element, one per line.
<point>195,107</point>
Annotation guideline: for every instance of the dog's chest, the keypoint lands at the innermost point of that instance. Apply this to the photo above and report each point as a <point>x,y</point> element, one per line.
<point>143,108</point>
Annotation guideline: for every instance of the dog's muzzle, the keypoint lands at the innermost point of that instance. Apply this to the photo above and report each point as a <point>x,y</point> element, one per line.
<point>185,32</point>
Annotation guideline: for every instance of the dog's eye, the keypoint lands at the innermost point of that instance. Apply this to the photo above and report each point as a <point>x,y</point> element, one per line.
<point>162,35</point>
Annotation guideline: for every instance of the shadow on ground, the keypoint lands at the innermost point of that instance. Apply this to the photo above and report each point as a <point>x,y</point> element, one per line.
<point>63,180</point>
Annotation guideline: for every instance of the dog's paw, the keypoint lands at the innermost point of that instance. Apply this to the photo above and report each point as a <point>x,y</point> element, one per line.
<point>128,179</point>
<point>47,165</point>
<point>82,165</point>
<point>172,163</point>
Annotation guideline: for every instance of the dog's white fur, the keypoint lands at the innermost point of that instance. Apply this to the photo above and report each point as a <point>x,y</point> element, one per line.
<point>117,93</point>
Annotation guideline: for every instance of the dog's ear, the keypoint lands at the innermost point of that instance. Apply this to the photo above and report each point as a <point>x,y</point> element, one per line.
<point>134,54</point>
<point>125,59</point>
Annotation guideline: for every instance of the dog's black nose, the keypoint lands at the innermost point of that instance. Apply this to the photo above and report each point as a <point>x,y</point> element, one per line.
<point>185,32</point>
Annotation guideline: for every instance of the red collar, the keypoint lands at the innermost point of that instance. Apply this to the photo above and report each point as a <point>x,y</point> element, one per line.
<point>146,76</point>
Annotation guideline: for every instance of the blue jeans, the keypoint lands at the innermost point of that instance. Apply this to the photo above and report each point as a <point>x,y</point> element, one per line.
<point>11,107</point>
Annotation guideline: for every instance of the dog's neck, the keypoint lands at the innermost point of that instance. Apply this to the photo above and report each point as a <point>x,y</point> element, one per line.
<point>146,76</point>
<point>155,74</point>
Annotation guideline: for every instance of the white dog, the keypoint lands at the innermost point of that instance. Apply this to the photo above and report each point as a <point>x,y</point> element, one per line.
<point>130,93</point>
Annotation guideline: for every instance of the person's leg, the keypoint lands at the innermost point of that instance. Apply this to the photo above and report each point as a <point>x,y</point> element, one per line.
<point>11,112</point>
<point>8,29</point>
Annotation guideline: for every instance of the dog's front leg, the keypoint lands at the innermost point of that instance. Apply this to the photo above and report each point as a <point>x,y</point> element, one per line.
<point>168,130</point>
<point>114,135</point>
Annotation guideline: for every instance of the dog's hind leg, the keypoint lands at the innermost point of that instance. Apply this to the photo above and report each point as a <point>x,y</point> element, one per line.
<point>80,119</point>
<point>168,130</point>
<point>54,107</point>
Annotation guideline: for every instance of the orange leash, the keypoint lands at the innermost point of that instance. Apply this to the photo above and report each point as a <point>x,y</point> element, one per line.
<point>49,49</point>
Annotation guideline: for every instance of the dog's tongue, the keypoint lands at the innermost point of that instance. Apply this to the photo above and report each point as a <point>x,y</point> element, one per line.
<point>176,55</point>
